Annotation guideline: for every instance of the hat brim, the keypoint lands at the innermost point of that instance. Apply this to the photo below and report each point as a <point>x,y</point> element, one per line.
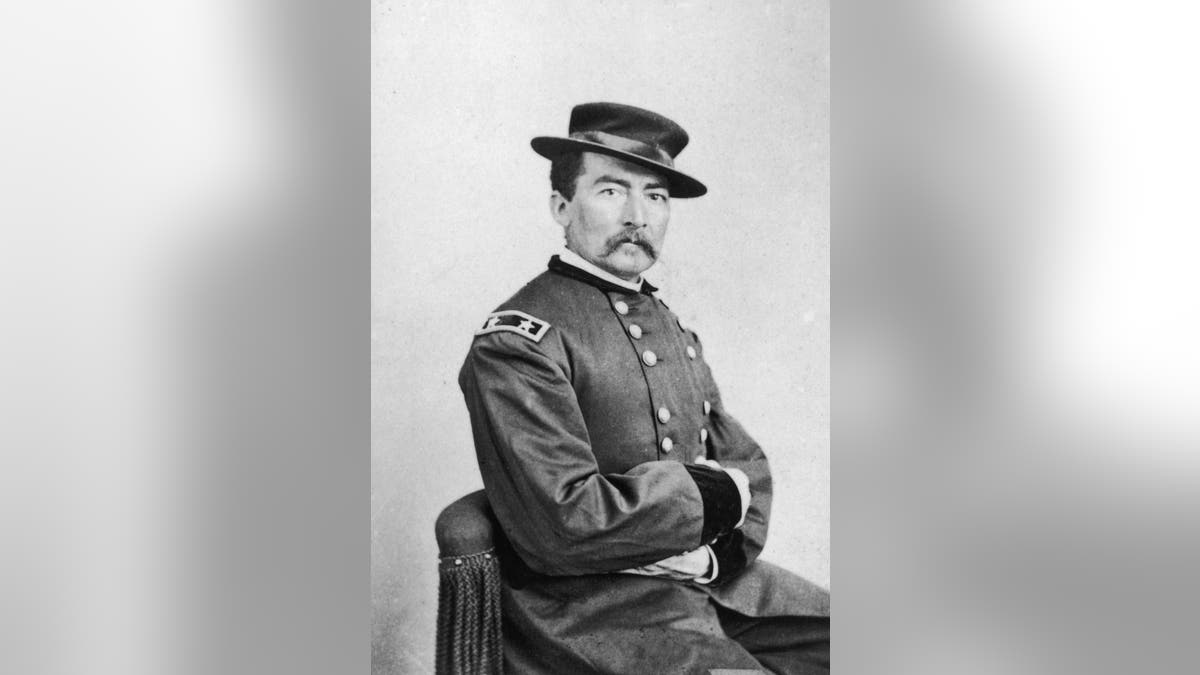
<point>682,186</point>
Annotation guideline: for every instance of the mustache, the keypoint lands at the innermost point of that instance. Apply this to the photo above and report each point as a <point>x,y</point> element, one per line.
<point>614,242</point>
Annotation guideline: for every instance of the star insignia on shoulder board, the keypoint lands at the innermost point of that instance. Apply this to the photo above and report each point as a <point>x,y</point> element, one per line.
<point>513,321</point>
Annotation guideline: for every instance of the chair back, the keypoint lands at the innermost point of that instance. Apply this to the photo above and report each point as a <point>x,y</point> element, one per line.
<point>468,624</point>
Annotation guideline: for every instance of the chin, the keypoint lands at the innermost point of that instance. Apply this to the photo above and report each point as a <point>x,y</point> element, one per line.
<point>629,269</point>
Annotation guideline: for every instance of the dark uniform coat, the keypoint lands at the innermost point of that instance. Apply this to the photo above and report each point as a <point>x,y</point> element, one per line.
<point>589,405</point>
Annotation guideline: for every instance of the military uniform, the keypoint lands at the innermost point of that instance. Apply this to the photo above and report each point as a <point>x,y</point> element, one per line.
<point>589,405</point>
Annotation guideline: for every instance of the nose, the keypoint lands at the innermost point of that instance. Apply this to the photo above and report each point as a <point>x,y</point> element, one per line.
<point>635,211</point>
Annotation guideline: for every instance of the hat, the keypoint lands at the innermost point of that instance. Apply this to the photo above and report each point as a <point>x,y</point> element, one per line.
<point>628,133</point>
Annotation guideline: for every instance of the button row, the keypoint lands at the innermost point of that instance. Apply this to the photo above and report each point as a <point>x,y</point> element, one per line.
<point>664,416</point>
<point>668,444</point>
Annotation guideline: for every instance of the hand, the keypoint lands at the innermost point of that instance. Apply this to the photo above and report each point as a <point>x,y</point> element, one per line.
<point>739,479</point>
<point>694,564</point>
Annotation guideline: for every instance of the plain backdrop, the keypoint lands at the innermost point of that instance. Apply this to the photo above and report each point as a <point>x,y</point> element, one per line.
<point>185,483</point>
<point>460,221</point>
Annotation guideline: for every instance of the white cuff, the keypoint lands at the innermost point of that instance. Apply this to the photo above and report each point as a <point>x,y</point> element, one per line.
<point>715,569</point>
<point>744,494</point>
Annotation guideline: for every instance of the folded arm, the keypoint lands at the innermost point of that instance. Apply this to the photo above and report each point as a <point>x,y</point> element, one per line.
<point>562,516</point>
<point>730,445</point>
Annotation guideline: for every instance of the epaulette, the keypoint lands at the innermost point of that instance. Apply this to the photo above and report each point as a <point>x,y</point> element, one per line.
<point>515,322</point>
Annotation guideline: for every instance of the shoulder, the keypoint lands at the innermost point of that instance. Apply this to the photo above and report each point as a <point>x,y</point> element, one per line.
<point>550,303</point>
<point>523,334</point>
<point>514,321</point>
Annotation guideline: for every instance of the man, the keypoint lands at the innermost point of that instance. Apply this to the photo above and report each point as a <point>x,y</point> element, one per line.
<point>632,504</point>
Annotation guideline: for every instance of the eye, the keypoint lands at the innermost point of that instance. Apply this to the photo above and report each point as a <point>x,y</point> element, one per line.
<point>657,196</point>
<point>608,191</point>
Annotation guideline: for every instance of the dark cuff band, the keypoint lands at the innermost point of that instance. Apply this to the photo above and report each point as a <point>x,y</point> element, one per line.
<point>722,501</point>
<point>731,556</point>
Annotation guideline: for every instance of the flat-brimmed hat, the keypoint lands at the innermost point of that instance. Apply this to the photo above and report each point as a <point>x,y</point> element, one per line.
<point>632,134</point>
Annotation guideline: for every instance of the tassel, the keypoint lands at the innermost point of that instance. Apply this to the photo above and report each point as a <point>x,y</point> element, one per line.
<point>468,631</point>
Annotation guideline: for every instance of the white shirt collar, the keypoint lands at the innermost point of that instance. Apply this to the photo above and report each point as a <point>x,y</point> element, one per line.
<point>575,260</point>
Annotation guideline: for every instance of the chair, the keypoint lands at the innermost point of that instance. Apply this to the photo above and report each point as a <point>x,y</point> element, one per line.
<point>468,622</point>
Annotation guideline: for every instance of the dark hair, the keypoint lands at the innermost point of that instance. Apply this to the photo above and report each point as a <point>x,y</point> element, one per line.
<point>564,171</point>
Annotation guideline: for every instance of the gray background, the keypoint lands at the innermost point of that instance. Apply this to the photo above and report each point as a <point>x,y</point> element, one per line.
<point>185,479</point>
<point>460,221</point>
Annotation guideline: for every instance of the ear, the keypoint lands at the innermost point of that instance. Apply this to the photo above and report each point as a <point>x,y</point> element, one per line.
<point>558,208</point>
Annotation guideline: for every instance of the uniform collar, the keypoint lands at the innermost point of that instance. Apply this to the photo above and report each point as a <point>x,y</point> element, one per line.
<point>570,264</point>
<point>574,259</point>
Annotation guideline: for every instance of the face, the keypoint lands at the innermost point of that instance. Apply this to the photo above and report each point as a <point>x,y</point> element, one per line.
<point>618,217</point>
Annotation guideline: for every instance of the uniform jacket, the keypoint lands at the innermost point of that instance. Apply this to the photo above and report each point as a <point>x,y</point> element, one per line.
<point>589,404</point>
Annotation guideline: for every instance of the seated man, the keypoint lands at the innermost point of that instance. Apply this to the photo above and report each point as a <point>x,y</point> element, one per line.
<point>633,505</point>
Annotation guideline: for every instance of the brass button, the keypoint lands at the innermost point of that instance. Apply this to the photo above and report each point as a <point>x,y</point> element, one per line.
<point>635,331</point>
<point>667,444</point>
<point>691,352</point>
<point>703,435</point>
<point>707,407</point>
<point>664,415</point>
<point>621,307</point>
<point>649,358</point>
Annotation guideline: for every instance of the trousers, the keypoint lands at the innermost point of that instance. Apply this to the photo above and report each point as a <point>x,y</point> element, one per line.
<point>784,645</point>
<point>558,627</point>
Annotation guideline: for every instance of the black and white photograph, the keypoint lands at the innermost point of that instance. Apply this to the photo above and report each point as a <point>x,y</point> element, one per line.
<point>600,338</point>
<point>408,337</point>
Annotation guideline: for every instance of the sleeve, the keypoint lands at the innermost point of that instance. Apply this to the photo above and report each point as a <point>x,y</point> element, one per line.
<point>731,446</point>
<point>559,513</point>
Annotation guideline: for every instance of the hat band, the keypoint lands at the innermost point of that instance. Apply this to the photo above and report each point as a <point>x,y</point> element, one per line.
<point>632,146</point>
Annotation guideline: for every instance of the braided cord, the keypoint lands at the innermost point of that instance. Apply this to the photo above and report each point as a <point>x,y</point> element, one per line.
<point>468,631</point>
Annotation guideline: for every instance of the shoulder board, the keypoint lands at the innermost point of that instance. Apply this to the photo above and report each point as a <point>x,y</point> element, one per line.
<point>515,322</point>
